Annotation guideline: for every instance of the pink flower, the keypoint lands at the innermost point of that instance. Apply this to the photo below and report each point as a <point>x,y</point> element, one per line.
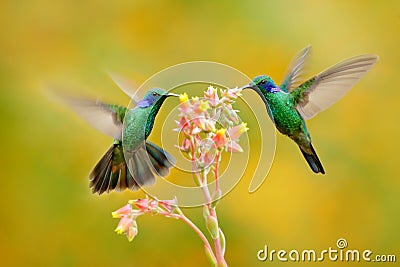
<point>124,211</point>
<point>144,204</point>
<point>235,132</point>
<point>169,205</point>
<point>127,225</point>
<point>207,153</point>
<point>230,113</point>
<point>200,122</point>
<point>183,123</point>
<point>212,96</point>
<point>185,145</point>
<point>124,224</point>
<point>232,93</point>
<point>210,125</point>
<point>220,138</point>
<point>185,105</point>
<point>233,146</point>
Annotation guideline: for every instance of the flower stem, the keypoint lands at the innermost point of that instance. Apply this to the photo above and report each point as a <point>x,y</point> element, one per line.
<point>216,175</point>
<point>217,241</point>
<point>207,245</point>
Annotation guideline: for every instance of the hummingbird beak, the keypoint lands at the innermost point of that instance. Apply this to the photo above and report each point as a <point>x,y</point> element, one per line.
<point>172,94</point>
<point>250,85</point>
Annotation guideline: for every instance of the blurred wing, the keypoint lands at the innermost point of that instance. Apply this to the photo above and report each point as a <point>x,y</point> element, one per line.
<point>332,84</point>
<point>295,71</point>
<point>104,117</point>
<point>125,86</point>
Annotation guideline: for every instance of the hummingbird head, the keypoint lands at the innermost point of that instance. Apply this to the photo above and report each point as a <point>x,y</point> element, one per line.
<point>153,96</point>
<point>263,83</point>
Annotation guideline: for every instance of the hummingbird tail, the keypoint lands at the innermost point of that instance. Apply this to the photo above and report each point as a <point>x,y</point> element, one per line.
<point>313,160</point>
<point>111,172</point>
<point>160,159</point>
<point>147,161</point>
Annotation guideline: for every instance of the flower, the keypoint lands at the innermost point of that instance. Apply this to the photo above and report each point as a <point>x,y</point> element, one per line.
<point>204,106</point>
<point>200,122</point>
<point>207,153</point>
<point>144,204</point>
<point>199,107</point>
<point>183,98</point>
<point>184,103</point>
<point>212,118</point>
<point>233,146</point>
<point>124,211</point>
<point>235,132</point>
<point>128,226</point>
<point>127,223</point>
<point>212,96</point>
<point>232,93</point>
<point>132,232</point>
<point>185,145</point>
<point>124,224</point>
<point>220,138</point>
<point>169,205</point>
<point>183,123</point>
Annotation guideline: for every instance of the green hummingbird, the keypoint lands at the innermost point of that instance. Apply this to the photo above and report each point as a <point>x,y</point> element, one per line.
<point>297,99</point>
<point>132,161</point>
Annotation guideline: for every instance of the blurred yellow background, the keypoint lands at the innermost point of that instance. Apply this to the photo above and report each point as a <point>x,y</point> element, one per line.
<point>48,215</point>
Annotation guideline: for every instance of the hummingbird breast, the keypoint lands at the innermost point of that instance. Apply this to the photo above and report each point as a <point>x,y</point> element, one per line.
<point>134,133</point>
<point>286,118</point>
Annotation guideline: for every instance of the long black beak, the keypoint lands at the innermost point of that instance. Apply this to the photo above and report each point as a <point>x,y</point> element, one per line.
<point>172,94</point>
<point>250,85</point>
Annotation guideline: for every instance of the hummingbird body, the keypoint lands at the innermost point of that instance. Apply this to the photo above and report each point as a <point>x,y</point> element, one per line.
<point>132,161</point>
<point>287,119</point>
<point>294,101</point>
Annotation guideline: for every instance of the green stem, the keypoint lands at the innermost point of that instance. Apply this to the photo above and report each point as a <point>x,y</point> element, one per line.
<point>217,242</point>
<point>207,245</point>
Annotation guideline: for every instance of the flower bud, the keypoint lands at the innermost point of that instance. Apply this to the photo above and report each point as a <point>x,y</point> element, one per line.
<point>132,232</point>
<point>212,226</point>
<point>206,212</point>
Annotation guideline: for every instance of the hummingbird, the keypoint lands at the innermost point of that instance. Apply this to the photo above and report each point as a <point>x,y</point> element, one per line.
<point>131,161</point>
<point>296,99</point>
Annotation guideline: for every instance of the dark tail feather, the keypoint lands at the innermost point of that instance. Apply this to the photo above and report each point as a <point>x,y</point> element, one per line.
<point>160,159</point>
<point>112,172</point>
<point>313,161</point>
<point>147,161</point>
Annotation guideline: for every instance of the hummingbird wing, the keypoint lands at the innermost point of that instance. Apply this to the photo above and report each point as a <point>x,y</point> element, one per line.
<point>295,71</point>
<point>326,88</point>
<point>106,118</point>
<point>126,86</point>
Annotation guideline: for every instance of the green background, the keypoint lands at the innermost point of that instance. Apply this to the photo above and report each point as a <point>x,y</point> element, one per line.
<point>48,216</point>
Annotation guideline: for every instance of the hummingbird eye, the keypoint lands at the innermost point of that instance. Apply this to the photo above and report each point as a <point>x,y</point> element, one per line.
<point>263,81</point>
<point>155,94</point>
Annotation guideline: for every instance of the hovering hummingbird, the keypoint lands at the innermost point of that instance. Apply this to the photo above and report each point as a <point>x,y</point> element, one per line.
<point>296,100</point>
<point>132,161</point>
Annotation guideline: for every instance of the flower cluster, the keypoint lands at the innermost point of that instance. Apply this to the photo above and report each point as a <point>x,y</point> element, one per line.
<point>127,215</point>
<point>210,125</point>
